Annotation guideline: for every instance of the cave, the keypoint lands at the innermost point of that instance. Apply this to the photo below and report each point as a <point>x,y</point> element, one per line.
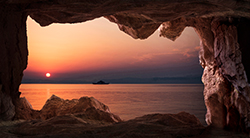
<point>221,25</point>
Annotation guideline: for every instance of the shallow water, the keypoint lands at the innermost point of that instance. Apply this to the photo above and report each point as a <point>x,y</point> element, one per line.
<point>126,100</point>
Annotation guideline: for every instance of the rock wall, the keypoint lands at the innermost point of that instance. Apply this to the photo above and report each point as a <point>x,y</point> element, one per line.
<point>13,57</point>
<point>221,25</point>
<point>226,89</point>
<point>229,60</point>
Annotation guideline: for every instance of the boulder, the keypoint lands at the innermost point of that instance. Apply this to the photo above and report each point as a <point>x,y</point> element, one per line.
<point>89,106</point>
<point>86,108</point>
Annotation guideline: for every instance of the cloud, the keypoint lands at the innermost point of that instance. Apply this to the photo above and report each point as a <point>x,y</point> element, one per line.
<point>153,58</point>
<point>191,52</point>
<point>176,55</point>
<point>149,56</point>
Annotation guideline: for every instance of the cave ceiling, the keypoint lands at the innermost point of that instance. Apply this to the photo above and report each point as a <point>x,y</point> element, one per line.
<point>138,18</point>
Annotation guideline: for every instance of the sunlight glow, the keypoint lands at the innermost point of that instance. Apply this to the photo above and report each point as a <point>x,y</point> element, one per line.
<point>47,75</point>
<point>98,46</point>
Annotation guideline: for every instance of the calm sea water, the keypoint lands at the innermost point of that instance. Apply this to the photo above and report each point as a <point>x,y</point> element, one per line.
<point>126,100</point>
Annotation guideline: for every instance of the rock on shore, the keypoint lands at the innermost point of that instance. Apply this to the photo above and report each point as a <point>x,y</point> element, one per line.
<point>88,118</point>
<point>77,125</point>
<point>87,107</point>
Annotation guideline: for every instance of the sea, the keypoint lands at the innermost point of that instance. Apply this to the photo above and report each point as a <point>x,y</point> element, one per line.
<point>126,100</point>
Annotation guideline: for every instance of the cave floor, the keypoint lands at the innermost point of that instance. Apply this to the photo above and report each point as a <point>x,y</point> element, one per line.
<point>147,127</point>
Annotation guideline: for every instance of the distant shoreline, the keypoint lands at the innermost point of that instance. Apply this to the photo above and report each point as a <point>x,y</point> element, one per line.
<point>129,80</point>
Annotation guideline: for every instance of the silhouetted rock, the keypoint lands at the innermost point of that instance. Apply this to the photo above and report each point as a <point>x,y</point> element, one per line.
<point>6,106</point>
<point>13,57</point>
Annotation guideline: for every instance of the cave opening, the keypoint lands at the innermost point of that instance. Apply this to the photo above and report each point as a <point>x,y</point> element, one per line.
<point>222,28</point>
<point>86,52</point>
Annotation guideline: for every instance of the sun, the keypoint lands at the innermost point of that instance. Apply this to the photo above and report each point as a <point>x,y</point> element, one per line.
<point>47,75</point>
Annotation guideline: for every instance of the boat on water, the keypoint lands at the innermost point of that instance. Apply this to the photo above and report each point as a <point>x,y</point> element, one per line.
<point>100,82</point>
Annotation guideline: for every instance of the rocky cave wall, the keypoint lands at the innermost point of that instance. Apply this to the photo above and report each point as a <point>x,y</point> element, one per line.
<point>13,58</point>
<point>226,89</point>
<point>221,24</point>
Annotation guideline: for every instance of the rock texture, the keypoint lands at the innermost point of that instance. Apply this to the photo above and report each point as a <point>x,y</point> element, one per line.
<point>86,107</point>
<point>25,111</point>
<point>226,90</point>
<point>91,107</point>
<point>87,117</point>
<point>154,125</point>
<point>221,24</point>
<point>13,57</point>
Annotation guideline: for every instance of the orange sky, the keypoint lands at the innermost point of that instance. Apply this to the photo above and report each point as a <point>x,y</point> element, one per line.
<point>99,45</point>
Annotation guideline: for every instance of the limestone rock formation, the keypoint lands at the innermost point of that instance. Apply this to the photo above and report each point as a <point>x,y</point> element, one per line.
<point>222,25</point>
<point>226,88</point>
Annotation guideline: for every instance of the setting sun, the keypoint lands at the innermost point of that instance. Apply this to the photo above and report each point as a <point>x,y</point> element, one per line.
<point>74,54</point>
<point>47,75</point>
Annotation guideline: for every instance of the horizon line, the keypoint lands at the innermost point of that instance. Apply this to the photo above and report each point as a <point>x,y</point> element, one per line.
<point>91,83</point>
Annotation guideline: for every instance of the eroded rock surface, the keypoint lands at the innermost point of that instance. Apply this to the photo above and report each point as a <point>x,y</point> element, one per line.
<point>86,107</point>
<point>225,79</point>
<point>226,88</point>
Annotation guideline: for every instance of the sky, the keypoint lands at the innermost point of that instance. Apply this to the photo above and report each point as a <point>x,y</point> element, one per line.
<point>98,50</point>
